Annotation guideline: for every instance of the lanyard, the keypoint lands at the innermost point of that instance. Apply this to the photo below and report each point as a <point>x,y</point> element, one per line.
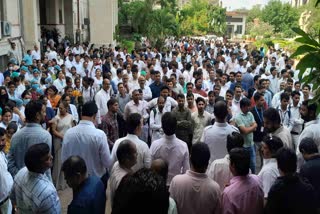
<point>260,116</point>
<point>282,115</point>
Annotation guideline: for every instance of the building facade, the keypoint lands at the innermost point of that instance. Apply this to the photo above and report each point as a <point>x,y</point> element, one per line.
<point>25,21</point>
<point>298,3</point>
<point>236,24</point>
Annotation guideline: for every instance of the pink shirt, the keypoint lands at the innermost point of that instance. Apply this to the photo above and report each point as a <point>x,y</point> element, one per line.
<point>243,196</point>
<point>195,193</point>
<point>174,152</point>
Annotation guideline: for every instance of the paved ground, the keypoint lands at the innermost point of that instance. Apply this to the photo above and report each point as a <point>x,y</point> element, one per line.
<point>66,195</point>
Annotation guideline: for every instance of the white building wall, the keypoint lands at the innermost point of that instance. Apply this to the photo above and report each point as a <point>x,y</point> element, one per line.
<point>235,24</point>
<point>10,12</point>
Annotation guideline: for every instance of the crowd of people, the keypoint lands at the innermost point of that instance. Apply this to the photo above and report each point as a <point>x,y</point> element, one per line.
<point>198,127</point>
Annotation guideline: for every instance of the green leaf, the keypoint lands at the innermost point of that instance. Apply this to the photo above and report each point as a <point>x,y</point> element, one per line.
<point>317,2</point>
<point>306,79</point>
<point>310,60</point>
<point>306,39</point>
<point>300,32</point>
<point>302,50</point>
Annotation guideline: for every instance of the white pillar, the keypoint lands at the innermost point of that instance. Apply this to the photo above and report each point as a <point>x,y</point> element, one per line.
<point>30,21</point>
<point>101,21</point>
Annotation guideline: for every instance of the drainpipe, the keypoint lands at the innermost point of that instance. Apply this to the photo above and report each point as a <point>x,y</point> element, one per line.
<point>21,26</point>
<point>78,30</point>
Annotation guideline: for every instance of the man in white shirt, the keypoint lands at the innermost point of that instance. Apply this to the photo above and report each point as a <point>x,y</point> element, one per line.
<point>88,142</point>
<point>116,80</point>
<point>69,62</point>
<point>136,106</point>
<point>311,126</point>
<point>52,54</point>
<point>170,149</point>
<point>87,91</point>
<point>219,170</point>
<point>6,180</point>
<point>155,120</point>
<point>238,96</point>
<point>134,128</point>
<point>295,114</point>
<point>133,81</point>
<point>127,158</point>
<point>285,112</point>
<point>224,86</point>
<point>147,94</point>
<point>169,104</point>
<point>102,98</point>
<point>139,63</point>
<point>269,171</point>
<point>216,135</point>
<point>77,49</point>
<point>60,82</point>
<point>231,65</point>
<point>78,64</point>
<point>36,54</point>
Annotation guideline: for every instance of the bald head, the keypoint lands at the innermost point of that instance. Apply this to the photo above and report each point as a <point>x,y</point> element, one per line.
<point>74,165</point>
<point>160,167</point>
<point>141,78</point>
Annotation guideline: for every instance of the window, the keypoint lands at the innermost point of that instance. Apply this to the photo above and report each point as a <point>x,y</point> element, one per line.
<point>239,29</point>
<point>231,19</point>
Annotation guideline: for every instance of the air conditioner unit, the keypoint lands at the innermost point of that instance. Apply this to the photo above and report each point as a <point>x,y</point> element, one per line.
<point>6,28</point>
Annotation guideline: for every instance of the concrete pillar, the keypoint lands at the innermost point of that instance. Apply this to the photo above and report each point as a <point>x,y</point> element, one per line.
<point>52,12</point>
<point>30,28</point>
<point>68,18</point>
<point>101,21</point>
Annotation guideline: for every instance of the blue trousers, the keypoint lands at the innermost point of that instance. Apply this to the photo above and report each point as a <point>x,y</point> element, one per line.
<point>252,152</point>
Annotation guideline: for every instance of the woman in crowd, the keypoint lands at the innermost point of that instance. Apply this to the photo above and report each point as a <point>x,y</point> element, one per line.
<point>97,80</point>
<point>53,96</point>
<point>6,117</point>
<point>72,109</point>
<point>60,124</point>
<point>11,129</point>
<point>3,96</point>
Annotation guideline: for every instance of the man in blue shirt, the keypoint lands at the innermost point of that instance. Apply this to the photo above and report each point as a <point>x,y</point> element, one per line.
<point>157,85</point>
<point>28,58</point>
<point>88,191</point>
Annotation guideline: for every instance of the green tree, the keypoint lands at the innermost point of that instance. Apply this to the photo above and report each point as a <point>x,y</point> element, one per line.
<point>262,29</point>
<point>281,16</point>
<point>156,24</point>
<point>171,5</point>
<point>217,19</point>
<point>161,25</point>
<point>253,13</point>
<point>128,11</point>
<point>199,18</point>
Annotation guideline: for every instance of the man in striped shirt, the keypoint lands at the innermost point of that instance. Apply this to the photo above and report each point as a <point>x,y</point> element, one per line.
<point>32,191</point>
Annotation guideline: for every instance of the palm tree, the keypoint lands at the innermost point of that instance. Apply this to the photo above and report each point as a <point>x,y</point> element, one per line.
<point>162,24</point>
